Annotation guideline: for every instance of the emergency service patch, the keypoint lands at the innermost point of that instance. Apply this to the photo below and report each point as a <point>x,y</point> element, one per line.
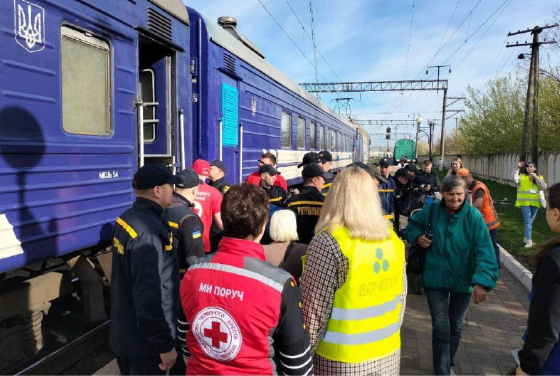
<point>217,333</point>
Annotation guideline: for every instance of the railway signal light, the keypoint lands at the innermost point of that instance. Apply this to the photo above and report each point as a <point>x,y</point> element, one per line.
<point>388,136</point>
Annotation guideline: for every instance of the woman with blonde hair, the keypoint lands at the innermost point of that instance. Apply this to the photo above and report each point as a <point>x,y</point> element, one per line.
<point>354,283</point>
<point>456,165</point>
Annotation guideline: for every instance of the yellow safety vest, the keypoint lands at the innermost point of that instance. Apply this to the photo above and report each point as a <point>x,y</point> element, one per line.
<point>364,323</point>
<point>528,192</point>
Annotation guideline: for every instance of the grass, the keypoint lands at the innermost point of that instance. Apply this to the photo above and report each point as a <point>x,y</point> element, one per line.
<point>510,232</point>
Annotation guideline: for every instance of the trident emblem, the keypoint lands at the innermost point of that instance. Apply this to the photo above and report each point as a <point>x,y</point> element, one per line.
<point>29,25</point>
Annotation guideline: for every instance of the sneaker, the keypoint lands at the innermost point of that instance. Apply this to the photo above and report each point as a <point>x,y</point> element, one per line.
<point>452,373</point>
<point>529,243</point>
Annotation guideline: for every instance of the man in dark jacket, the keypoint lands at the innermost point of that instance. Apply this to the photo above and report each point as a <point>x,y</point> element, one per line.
<point>325,158</point>
<point>387,190</point>
<point>427,179</point>
<point>217,180</point>
<point>308,202</point>
<point>217,176</point>
<point>185,225</point>
<point>402,191</point>
<point>144,278</point>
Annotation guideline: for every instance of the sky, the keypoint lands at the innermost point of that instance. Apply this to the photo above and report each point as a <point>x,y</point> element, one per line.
<point>381,40</point>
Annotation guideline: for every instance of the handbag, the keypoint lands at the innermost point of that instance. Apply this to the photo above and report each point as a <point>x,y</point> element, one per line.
<point>416,254</point>
<point>414,200</point>
<point>542,199</point>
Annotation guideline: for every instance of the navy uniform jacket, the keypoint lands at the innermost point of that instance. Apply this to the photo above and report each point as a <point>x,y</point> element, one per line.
<point>144,283</point>
<point>187,229</point>
<point>221,185</point>
<point>326,186</point>
<point>276,195</point>
<point>307,206</point>
<point>387,195</point>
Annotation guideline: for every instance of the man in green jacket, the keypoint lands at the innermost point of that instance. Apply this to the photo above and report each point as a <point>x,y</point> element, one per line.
<point>460,264</point>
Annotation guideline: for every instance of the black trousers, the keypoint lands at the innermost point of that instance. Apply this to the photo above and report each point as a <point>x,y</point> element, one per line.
<point>131,366</point>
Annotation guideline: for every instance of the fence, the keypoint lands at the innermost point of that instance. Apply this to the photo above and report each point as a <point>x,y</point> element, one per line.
<point>500,167</point>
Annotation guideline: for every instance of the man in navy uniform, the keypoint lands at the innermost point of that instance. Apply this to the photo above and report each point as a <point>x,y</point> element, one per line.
<point>217,180</point>
<point>326,162</point>
<point>144,278</point>
<point>387,190</point>
<point>308,202</point>
<point>185,225</point>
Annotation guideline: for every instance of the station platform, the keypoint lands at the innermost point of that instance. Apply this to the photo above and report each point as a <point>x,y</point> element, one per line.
<point>494,330</point>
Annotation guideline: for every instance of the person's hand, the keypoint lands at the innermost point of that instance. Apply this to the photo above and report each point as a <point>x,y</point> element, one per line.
<point>168,360</point>
<point>533,175</point>
<point>519,371</point>
<point>427,187</point>
<point>521,164</point>
<point>186,360</point>
<point>423,241</point>
<point>478,294</point>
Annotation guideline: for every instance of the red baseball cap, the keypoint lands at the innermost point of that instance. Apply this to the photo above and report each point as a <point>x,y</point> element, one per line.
<point>201,167</point>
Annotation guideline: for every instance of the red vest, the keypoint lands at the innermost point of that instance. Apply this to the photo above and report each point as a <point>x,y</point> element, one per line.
<point>232,303</point>
<point>487,209</point>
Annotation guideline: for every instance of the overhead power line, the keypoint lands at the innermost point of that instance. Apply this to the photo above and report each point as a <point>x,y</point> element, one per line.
<point>290,38</point>
<point>312,39</point>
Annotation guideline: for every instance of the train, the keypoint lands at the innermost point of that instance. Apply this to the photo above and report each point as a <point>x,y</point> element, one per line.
<point>90,90</point>
<point>405,148</point>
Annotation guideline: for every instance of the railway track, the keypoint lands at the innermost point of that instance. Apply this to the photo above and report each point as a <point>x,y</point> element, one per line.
<point>84,355</point>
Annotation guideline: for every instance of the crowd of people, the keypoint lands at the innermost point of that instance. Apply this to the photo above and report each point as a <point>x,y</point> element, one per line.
<point>255,279</point>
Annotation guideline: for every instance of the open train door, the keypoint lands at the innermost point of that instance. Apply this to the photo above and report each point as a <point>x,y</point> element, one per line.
<point>156,104</point>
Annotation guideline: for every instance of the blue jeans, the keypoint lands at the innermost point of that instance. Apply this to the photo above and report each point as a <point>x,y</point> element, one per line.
<point>494,238</point>
<point>448,312</point>
<point>529,213</point>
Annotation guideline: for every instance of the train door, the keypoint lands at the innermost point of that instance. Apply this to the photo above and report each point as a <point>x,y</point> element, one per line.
<point>157,98</point>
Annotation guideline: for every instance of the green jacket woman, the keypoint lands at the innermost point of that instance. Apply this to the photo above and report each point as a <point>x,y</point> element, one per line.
<point>460,265</point>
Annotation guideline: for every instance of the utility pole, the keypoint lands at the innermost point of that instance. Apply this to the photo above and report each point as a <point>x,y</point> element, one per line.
<point>532,90</point>
<point>442,144</point>
<point>443,119</point>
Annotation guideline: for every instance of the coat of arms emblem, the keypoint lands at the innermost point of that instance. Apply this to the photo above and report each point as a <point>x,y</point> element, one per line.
<point>29,25</point>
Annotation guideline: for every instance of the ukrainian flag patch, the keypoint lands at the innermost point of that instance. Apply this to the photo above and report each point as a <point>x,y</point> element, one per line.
<point>196,235</point>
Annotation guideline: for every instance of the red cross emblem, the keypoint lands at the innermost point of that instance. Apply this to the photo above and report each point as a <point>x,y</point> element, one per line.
<point>216,334</point>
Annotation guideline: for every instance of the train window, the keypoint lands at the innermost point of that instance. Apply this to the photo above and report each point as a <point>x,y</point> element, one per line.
<point>338,144</point>
<point>86,95</point>
<point>286,129</point>
<point>147,90</point>
<point>313,136</point>
<point>301,133</point>
<point>322,137</point>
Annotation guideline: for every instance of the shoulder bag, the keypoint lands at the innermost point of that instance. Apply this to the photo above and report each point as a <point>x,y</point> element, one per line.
<point>417,254</point>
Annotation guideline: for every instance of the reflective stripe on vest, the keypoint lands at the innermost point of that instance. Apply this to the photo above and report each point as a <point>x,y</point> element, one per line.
<point>524,195</point>
<point>487,209</point>
<point>364,323</point>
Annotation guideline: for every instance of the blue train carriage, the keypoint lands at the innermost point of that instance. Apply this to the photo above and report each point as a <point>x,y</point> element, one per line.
<point>363,143</point>
<point>245,106</point>
<point>89,90</point>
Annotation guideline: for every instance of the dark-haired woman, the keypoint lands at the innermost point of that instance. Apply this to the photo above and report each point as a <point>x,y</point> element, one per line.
<point>541,351</point>
<point>529,183</point>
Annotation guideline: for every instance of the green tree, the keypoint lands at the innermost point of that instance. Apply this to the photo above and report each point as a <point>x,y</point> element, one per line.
<point>494,119</point>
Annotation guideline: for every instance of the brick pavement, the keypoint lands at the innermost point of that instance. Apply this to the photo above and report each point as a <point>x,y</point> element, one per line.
<point>494,329</point>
